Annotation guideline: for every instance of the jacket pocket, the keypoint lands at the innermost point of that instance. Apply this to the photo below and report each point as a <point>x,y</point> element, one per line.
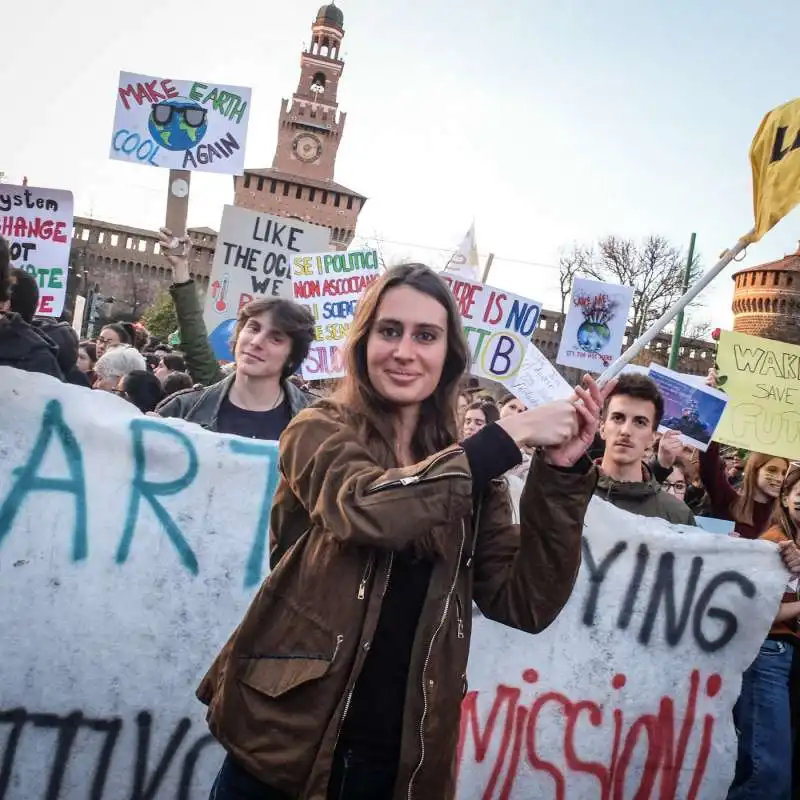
<point>274,676</point>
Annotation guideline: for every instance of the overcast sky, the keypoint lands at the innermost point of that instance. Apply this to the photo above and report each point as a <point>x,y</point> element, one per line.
<point>548,122</point>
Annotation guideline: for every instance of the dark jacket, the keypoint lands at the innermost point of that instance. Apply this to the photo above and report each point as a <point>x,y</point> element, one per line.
<point>21,346</point>
<point>201,404</point>
<point>645,497</point>
<point>65,339</point>
<point>278,691</point>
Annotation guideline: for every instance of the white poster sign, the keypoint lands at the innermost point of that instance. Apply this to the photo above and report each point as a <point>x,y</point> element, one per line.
<point>37,224</point>
<point>595,324</point>
<point>329,285</point>
<point>253,260</point>
<point>179,124</point>
<point>130,548</point>
<point>538,381</point>
<point>498,326</point>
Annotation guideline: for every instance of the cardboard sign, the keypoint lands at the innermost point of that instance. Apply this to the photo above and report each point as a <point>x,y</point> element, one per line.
<point>252,260</point>
<point>329,285</point>
<point>498,326</point>
<point>595,324</point>
<point>37,224</point>
<point>178,124</point>
<point>130,548</point>
<point>691,410</point>
<point>760,378</point>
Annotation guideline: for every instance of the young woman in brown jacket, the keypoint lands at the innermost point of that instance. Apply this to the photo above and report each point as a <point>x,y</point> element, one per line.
<point>344,680</point>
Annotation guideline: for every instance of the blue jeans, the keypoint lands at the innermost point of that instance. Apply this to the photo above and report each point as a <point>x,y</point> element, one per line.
<point>762,716</point>
<point>352,778</point>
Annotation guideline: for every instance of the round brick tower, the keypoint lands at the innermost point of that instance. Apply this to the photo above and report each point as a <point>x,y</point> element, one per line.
<point>766,300</point>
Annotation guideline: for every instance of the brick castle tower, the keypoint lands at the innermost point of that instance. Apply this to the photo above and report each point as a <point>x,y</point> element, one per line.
<point>766,300</point>
<point>300,182</point>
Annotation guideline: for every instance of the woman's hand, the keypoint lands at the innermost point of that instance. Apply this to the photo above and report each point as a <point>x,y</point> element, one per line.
<point>669,448</point>
<point>791,556</point>
<point>588,407</point>
<point>543,426</point>
<point>711,379</point>
<point>177,256</point>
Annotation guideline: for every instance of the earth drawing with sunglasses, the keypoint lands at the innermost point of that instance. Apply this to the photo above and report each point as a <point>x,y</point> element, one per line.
<point>178,123</point>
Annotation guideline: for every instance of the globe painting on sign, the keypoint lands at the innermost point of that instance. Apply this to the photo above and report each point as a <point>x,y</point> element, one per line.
<point>178,123</point>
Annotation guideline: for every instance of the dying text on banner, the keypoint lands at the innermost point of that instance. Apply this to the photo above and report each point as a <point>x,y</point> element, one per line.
<point>760,377</point>
<point>179,124</point>
<point>144,540</point>
<point>37,224</point>
<point>498,326</point>
<point>329,285</point>
<point>252,260</point>
<point>595,324</point>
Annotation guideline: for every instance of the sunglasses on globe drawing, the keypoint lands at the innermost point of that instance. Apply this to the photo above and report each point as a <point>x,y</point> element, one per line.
<point>193,117</point>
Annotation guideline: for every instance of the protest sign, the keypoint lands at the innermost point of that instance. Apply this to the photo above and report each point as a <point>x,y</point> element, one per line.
<point>595,324</point>
<point>127,557</point>
<point>498,326</point>
<point>713,525</point>
<point>329,285</point>
<point>760,377</point>
<point>538,381</point>
<point>164,122</point>
<point>252,260</point>
<point>37,223</point>
<point>691,410</point>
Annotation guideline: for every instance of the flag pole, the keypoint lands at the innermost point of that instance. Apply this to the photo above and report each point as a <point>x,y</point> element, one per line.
<point>612,371</point>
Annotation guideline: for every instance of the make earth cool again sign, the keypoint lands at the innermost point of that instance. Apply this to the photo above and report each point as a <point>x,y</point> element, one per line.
<point>130,548</point>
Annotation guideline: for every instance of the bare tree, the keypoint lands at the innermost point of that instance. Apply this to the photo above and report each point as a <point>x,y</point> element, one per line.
<point>653,268</point>
<point>571,263</point>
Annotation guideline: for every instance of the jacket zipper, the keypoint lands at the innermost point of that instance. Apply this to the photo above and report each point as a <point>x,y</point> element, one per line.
<point>339,641</point>
<point>411,479</point>
<point>338,644</point>
<point>427,661</point>
<point>459,618</point>
<point>362,587</point>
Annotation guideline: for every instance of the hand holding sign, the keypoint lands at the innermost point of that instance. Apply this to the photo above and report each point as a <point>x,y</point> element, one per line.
<point>176,251</point>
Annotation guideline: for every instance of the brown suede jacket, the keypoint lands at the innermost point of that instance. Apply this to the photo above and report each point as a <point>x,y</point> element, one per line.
<point>279,690</point>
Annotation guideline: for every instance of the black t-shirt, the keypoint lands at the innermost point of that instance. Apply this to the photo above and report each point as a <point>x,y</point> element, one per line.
<point>253,424</point>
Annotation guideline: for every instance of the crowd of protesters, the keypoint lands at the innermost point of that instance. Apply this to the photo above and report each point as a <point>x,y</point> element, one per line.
<point>260,393</point>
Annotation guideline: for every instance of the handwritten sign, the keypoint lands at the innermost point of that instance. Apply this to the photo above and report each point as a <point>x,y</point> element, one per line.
<point>760,377</point>
<point>252,260</point>
<point>37,224</point>
<point>127,535</point>
<point>329,285</point>
<point>595,324</point>
<point>178,124</point>
<point>538,381</point>
<point>498,326</point>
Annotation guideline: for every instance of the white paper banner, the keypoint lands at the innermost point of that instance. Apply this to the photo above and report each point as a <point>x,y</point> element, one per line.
<point>37,224</point>
<point>164,122</point>
<point>130,548</point>
<point>252,260</point>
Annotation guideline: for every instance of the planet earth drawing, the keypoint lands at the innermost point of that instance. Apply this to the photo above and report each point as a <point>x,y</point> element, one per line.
<point>178,123</point>
<point>593,336</point>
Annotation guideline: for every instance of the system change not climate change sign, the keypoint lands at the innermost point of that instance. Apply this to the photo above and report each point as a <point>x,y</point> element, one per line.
<point>37,223</point>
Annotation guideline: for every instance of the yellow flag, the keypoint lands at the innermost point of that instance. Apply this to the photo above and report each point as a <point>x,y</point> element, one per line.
<point>775,158</point>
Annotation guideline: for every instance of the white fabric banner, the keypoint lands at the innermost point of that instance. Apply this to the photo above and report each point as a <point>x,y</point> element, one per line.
<point>130,548</point>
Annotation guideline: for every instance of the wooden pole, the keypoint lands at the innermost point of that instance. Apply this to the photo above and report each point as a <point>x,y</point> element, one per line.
<point>612,371</point>
<point>178,201</point>
<point>488,266</point>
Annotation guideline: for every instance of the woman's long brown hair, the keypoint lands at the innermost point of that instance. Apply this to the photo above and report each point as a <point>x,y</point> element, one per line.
<point>742,507</point>
<point>437,427</point>
<point>781,516</point>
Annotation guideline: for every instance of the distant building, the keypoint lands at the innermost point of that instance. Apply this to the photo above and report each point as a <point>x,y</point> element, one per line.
<point>300,184</point>
<point>126,263</point>
<point>766,300</point>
